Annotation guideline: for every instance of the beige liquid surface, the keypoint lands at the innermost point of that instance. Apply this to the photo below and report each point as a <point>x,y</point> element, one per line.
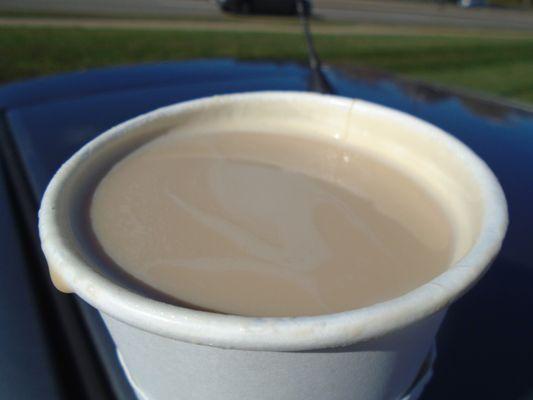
<point>268,225</point>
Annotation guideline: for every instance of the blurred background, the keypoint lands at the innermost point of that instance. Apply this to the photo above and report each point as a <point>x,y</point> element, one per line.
<point>56,347</point>
<point>474,45</point>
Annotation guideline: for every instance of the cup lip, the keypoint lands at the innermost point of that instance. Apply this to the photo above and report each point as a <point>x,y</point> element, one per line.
<point>271,333</point>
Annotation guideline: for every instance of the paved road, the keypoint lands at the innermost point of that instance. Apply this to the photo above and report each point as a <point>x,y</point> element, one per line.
<point>116,7</point>
<point>358,11</point>
<point>406,13</point>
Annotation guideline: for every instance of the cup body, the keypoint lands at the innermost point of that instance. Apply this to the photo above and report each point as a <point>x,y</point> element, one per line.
<point>373,353</point>
<point>167,369</point>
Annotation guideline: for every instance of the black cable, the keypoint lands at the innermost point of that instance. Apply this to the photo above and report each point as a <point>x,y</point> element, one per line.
<point>319,83</point>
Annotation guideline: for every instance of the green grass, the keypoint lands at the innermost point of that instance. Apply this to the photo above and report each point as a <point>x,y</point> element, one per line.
<point>498,66</point>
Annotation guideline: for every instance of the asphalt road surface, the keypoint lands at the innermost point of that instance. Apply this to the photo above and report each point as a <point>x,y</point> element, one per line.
<point>116,7</point>
<point>430,13</point>
<point>357,11</point>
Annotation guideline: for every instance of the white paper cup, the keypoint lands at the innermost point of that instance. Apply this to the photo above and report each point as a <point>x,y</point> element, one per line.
<point>373,353</point>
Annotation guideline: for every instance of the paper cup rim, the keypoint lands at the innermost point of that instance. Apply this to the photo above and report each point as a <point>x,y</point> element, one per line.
<point>270,333</point>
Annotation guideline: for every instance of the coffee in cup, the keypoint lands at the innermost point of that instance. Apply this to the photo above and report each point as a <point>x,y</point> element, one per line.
<point>268,225</point>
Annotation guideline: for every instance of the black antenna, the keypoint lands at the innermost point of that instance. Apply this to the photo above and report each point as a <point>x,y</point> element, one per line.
<point>319,83</point>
